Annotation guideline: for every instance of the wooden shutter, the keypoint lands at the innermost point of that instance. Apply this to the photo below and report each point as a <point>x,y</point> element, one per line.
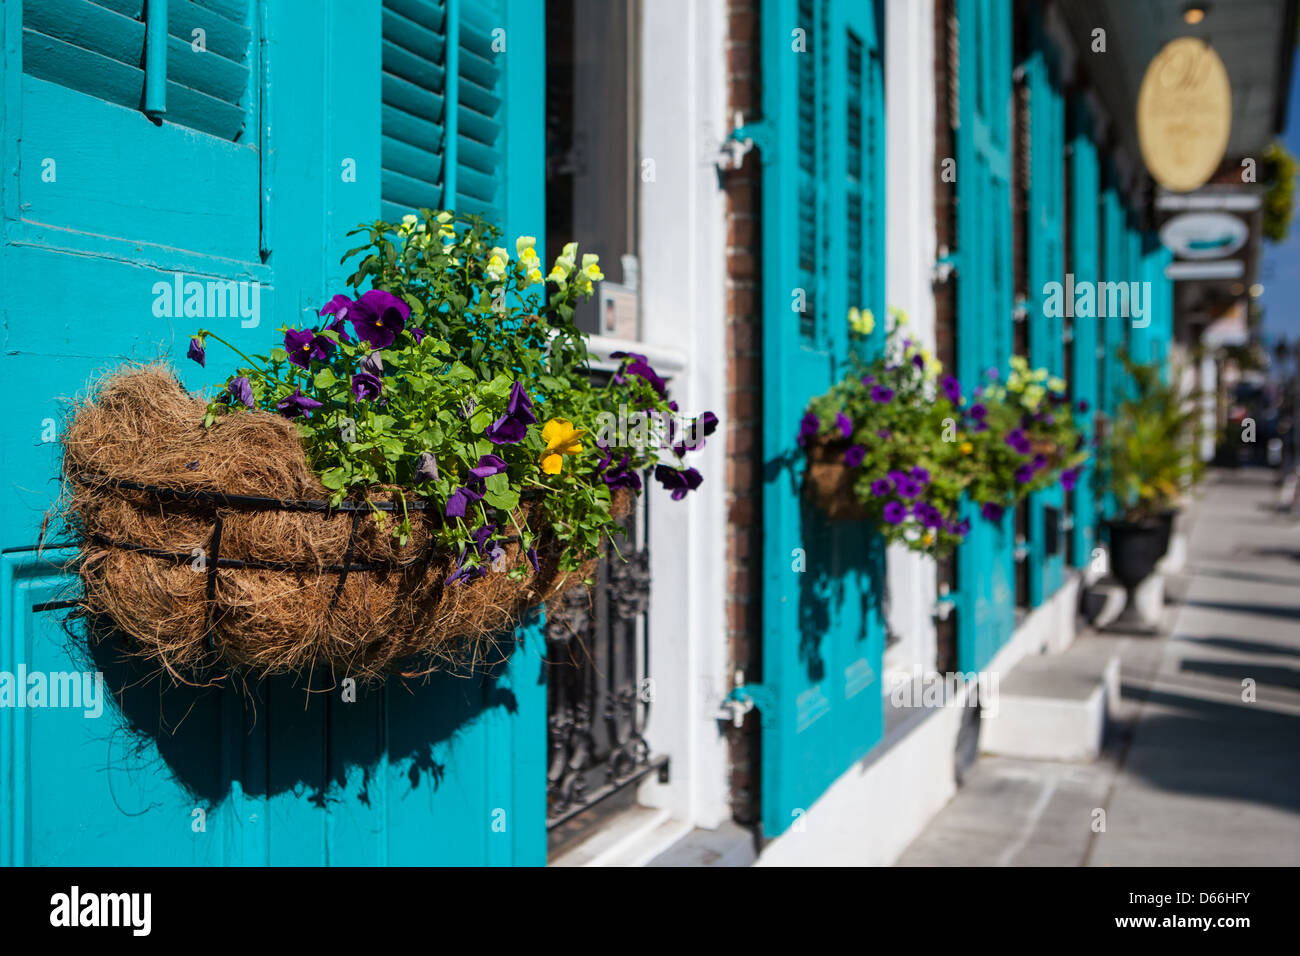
<point>98,48</point>
<point>443,107</point>
<point>823,634</point>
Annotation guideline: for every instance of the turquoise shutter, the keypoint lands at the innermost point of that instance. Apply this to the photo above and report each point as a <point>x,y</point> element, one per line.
<point>1084,185</point>
<point>443,106</point>
<point>99,48</point>
<point>1045,236</point>
<point>821,150</point>
<point>1112,332</point>
<point>985,561</point>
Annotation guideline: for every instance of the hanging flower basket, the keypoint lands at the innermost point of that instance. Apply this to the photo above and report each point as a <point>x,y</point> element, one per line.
<point>219,547</point>
<point>828,482</point>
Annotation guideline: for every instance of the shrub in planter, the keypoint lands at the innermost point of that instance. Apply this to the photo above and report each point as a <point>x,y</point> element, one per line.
<point>898,442</point>
<point>402,481</point>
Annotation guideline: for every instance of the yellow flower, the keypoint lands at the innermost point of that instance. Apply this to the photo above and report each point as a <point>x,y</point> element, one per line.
<point>496,267</point>
<point>862,321</point>
<point>1056,384</point>
<point>561,439</point>
<point>408,222</point>
<point>967,448</point>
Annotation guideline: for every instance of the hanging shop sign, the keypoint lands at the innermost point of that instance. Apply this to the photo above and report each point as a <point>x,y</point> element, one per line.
<point>1184,114</point>
<point>1204,235</point>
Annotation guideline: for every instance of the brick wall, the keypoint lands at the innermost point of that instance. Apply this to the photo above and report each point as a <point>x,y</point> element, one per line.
<point>744,404</point>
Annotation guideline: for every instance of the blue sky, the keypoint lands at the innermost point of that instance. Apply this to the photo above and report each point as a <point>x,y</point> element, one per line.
<point>1279,272</point>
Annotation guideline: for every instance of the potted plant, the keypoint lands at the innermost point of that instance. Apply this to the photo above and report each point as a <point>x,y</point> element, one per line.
<point>898,442</point>
<point>398,482</point>
<point>1147,465</point>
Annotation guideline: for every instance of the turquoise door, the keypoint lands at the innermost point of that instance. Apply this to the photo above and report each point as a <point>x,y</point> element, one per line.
<point>821,148</point>
<point>238,154</point>
<point>986,560</point>
<point>1045,236</point>
<point>1084,244</point>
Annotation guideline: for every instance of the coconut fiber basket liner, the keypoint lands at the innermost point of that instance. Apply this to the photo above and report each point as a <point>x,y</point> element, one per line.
<point>828,482</point>
<point>216,548</point>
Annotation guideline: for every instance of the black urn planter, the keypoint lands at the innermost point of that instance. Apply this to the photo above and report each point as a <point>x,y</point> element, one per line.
<point>1166,519</point>
<point>1135,549</point>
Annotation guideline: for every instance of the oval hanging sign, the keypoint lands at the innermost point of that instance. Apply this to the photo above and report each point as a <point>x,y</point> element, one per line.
<point>1184,114</point>
<point>1204,235</point>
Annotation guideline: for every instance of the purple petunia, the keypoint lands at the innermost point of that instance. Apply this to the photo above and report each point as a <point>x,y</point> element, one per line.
<point>297,404</point>
<point>978,412</point>
<point>513,425</point>
<point>854,454</point>
<point>882,395</point>
<point>809,427</point>
<point>679,482</point>
<point>198,352</point>
<point>1025,474</point>
<point>868,379</point>
<point>880,487</point>
<point>377,318</point>
<point>1019,441</point>
<point>241,390</point>
<point>908,488</point>
<point>894,512</point>
<point>845,424</point>
<point>1070,478</point>
<point>929,516</point>
<point>921,475</point>
<point>992,511</point>
<point>884,433</point>
<point>366,386</point>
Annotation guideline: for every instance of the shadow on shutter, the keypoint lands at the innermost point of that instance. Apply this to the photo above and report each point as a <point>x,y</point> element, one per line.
<point>478,155</point>
<point>208,88</point>
<point>414,64</point>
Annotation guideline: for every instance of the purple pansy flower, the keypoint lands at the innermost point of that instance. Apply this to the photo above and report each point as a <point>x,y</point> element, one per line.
<point>951,388</point>
<point>992,511</point>
<point>417,333</point>
<point>1070,478</point>
<point>1024,474</point>
<point>488,465</point>
<point>882,394</point>
<point>894,512</point>
<point>426,467</point>
<point>377,318</point>
<point>532,559</point>
<point>921,475</point>
<point>809,427</point>
<point>513,425</point>
<point>854,454</point>
<point>460,499</point>
<point>978,412</point>
<point>1019,441</point>
<point>845,424</point>
<point>918,361</point>
<point>868,379</point>
<point>638,366</point>
<point>366,386</point>
<point>303,345</point>
<point>338,307</point>
<point>198,352</point>
<point>241,390</point>
<point>297,404</point>
<point>679,482</point>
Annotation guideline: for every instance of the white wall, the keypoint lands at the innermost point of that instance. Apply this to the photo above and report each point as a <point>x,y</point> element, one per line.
<point>909,262</point>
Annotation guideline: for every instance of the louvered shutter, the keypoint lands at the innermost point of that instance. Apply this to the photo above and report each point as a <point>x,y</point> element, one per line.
<point>98,48</point>
<point>823,636</point>
<point>442,101</point>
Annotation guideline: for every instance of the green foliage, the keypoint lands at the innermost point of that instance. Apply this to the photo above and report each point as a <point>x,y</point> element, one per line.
<point>483,327</point>
<point>918,446</point>
<point>1147,459</point>
<point>1280,168</point>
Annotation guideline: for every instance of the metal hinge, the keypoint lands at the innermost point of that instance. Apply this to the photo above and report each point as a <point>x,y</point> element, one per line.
<point>946,603</point>
<point>944,266</point>
<point>743,138</point>
<point>744,698</point>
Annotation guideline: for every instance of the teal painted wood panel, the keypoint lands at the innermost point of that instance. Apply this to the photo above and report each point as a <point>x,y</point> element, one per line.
<point>822,159</point>
<point>449,771</point>
<point>1045,239</point>
<point>985,561</point>
<point>1084,244</point>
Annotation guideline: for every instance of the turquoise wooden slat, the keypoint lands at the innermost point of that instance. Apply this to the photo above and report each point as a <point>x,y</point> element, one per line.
<point>1045,238</point>
<point>410,775</point>
<point>822,627</point>
<point>1084,225</point>
<point>985,561</point>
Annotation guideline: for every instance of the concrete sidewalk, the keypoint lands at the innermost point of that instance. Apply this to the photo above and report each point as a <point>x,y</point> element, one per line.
<point>1192,773</point>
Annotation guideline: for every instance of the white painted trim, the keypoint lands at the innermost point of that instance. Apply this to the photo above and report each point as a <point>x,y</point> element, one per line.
<point>683,302</point>
<point>910,243</point>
